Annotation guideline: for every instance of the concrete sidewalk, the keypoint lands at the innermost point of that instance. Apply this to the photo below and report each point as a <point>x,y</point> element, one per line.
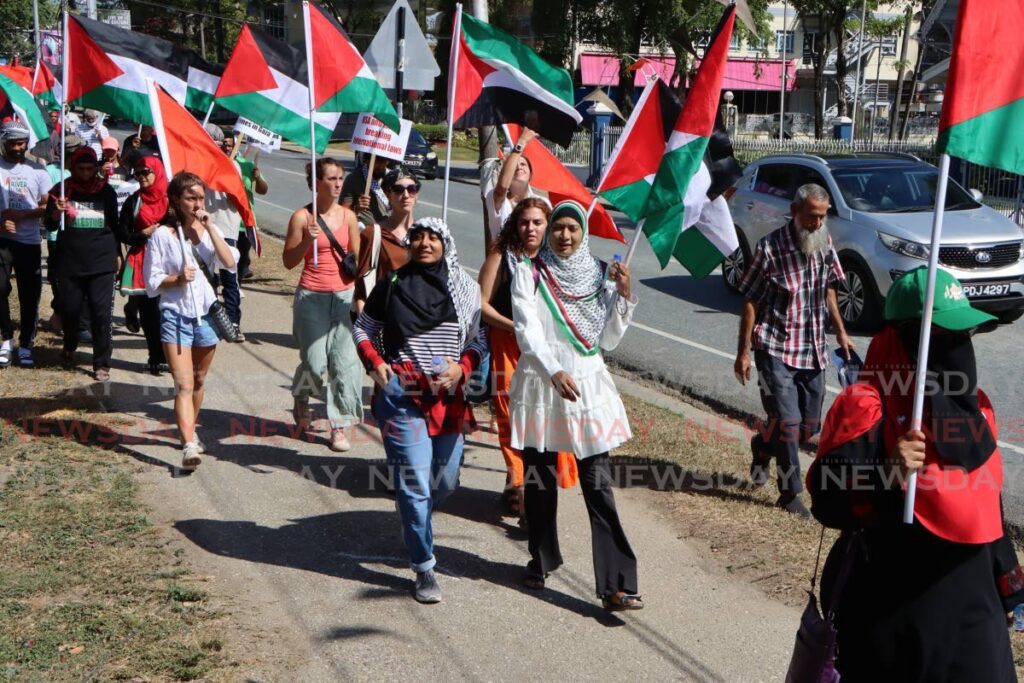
<point>304,545</point>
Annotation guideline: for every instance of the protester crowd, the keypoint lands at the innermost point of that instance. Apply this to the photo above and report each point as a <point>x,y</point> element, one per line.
<point>382,291</point>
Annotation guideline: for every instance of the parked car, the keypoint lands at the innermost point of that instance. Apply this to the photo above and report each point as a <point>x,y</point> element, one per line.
<point>420,156</point>
<point>880,220</point>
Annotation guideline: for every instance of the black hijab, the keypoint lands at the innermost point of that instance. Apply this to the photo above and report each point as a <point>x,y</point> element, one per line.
<point>419,301</point>
<point>960,432</point>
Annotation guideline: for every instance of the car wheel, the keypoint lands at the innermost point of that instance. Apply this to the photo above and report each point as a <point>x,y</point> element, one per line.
<point>1007,317</point>
<point>858,299</point>
<point>735,264</point>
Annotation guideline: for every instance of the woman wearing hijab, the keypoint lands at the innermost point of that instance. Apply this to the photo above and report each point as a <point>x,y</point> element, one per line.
<point>178,255</point>
<point>563,398</point>
<point>141,216</point>
<point>926,601</point>
<point>419,337</point>
<point>521,238</point>
<point>86,256</point>
<point>382,248</point>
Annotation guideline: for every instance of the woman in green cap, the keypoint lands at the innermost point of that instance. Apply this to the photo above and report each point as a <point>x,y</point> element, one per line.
<point>926,601</point>
<point>567,306</point>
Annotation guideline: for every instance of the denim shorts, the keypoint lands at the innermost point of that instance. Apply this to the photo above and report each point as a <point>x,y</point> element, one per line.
<point>186,332</point>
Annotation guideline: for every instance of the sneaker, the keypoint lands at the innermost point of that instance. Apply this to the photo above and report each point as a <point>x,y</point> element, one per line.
<point>239,337</point>
<point>339,442</point>
<point>6,348</point>
<point>190,458</point>
<point>247,275</point>
<point>198,442</point>
<point>791,503</point>
<point>427,590</point>
<point>25,358</point>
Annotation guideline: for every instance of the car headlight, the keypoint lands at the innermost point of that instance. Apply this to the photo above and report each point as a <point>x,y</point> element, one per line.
<point>905,247</point>
<point>431,156</point>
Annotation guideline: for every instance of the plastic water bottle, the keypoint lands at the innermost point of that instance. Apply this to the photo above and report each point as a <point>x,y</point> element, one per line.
<point>616,259</point>
<point>438,365</point>
<point>1018,618</point>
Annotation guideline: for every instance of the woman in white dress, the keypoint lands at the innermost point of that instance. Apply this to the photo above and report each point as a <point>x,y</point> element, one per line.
<point>567,307</point>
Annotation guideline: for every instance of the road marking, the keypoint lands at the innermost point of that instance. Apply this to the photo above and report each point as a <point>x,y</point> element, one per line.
<point>276,206</point>
<point>285,170</point>
<point>438,206</point>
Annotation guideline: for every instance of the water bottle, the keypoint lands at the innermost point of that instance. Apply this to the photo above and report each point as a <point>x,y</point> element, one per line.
<point>617,258</point>
<point>1018,618</point>
<point>438,365</point>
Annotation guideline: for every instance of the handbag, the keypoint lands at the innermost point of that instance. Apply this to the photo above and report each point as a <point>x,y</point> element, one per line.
<point>347,261</point>
<point>218,313</point>
<point>814,652</point>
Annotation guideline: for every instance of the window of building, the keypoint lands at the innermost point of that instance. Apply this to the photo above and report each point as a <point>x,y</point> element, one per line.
<point>735,42</point>
<point>274,21</point>
<point>786,36</point>
<point>810,46</point>
<point>889,46</point>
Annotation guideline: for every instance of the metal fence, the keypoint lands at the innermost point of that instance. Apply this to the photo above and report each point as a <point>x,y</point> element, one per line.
<point>1002,191</point>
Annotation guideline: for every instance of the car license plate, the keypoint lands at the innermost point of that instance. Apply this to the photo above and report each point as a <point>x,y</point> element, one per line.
<point>413,163</point>
<point>985,289</point>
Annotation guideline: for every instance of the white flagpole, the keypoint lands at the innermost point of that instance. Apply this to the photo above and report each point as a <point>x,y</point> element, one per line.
<point>39,45</point>
<point>921,373</point>
<point>453,77</point>
<point>206,119</point>
<point>312,110</point>
<point>639,230</point>
<point>63,102</point>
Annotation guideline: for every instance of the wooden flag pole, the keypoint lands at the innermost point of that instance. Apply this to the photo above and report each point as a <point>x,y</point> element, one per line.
<point>453,78</point>
<point>921,373</point>
<point>312,110</point>
<point>369,174</point>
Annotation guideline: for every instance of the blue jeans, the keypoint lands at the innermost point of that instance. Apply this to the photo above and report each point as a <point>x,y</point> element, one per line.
<point>425,469</point>
<point>230,291</point>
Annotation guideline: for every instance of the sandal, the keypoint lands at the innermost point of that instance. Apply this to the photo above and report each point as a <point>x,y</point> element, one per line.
<point>621,602</point>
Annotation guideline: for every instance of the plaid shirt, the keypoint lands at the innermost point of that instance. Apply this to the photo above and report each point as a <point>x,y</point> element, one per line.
<point>789,290</point>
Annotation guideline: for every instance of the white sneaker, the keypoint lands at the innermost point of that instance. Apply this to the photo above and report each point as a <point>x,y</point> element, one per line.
<point>190,458</point>
<point>339,442</point>
<point>6,349</point>
<point>198,442</point>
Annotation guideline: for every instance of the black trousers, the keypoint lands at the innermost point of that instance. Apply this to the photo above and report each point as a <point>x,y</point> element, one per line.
<point>614,561</point>
<point>21,263</point>
<point>244,247</point>
<point>148,310</point>
<point>94,293</point>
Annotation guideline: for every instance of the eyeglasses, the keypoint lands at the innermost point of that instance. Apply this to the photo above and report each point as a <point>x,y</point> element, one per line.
<point>413,189</point>
<point>145,170</point>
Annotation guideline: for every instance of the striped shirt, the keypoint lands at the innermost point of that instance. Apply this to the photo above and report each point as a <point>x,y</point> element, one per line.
<point>419,350</point>
<point>790,292</point>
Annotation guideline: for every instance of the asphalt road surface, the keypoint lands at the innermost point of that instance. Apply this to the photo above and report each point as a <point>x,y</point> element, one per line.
<point>684,331</point>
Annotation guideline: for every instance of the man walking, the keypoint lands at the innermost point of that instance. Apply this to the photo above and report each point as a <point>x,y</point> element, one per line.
<point>23,193</point>
<point>789,289</point>
<point>373,208</point>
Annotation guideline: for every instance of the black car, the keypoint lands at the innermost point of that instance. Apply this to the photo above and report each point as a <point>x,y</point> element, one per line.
<point>420,157</point>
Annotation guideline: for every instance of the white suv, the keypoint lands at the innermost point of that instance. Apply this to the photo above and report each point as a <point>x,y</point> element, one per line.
<point>880,221</point>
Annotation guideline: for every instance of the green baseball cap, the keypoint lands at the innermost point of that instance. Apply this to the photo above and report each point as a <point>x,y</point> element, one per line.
<point>951,309</point>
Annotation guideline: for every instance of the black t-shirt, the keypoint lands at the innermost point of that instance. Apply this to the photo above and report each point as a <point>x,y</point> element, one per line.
<point>88,243</point>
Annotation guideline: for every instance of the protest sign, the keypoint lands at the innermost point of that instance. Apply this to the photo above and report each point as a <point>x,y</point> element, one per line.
<point>257,133</point>
<point>372,136</point>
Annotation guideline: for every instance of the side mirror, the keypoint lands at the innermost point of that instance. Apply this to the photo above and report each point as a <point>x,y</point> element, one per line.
<point>977,195</point>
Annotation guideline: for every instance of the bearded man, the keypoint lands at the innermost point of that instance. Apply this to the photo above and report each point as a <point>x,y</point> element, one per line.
<point>789,292</point>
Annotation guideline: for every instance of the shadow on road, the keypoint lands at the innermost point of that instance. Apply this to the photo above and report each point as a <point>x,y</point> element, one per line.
<point>709,292</point>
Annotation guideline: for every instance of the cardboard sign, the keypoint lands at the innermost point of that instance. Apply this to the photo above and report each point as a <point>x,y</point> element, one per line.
<point>269,148</point>
<point>257,133</point>
<point>372,136</point>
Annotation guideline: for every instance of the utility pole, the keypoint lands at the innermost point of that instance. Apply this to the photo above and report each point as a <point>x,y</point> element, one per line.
<point>399,61</point>
<point>782,93</point>
<point>860,60</point>
<point>901,74</point>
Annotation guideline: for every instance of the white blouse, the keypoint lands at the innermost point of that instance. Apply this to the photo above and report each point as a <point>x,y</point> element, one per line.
<point>540,418</point>
<point>166,255</point>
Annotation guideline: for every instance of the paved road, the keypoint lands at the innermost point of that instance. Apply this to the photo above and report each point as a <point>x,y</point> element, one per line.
<point>685,330</point>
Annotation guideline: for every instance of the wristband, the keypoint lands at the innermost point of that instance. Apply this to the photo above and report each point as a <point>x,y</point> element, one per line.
<point>518,149</point>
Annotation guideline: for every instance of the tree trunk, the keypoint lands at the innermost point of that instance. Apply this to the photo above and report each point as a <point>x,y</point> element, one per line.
<point>842,68</point>
<point>626,77</point>
<point>821,50</point>
<point>894,117</point>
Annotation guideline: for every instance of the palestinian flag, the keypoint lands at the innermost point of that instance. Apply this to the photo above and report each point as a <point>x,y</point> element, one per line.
<point>186,146</point>
<point>341,80</point>
<point>266,82</point>
<point>983,109</point>
<point>201,83</point>
<point>500,80</point>
<point>629,174</point>
<point>108,68</point>
<point>550,175</point>
<point>679,219</point>
<point>26,109</point>
<point>41,83</point>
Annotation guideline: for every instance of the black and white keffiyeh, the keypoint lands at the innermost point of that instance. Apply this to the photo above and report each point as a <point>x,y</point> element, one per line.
<point>464,290</point>
<point>573,286</point>
<point>375,187</point>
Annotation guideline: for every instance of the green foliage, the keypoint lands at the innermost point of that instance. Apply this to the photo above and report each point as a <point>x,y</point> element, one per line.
<point>433,132</point>
<point>16,39</point>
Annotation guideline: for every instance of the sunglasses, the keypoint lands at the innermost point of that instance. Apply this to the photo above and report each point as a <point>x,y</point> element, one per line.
<point>413,189</point>
<point>145,170</point>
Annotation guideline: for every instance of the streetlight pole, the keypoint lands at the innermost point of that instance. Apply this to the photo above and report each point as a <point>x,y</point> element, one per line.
<point>860,58</point>
<point>782,93</point>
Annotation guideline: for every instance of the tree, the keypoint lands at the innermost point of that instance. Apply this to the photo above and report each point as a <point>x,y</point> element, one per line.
<point>17,40</point>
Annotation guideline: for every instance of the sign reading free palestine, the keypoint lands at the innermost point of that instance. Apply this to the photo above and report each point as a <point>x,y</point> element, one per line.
<point>372,136</point>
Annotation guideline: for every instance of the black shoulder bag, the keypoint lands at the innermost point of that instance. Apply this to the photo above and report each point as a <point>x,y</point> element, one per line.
<point>346,259</point>
<point>226,329</point>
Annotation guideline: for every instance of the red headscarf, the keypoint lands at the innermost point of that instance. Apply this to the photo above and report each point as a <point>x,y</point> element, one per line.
<point>153,206</point>
<point>80,155</point>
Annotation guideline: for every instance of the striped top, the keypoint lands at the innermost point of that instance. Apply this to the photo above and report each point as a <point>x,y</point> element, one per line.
<point>790,291</point>
<point>419,350</point>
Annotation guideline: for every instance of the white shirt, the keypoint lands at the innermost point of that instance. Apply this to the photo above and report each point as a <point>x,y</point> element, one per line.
<point>496,217</point>
<point>92,135</point>
<point>22,186</point>
<point>166,255</point>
